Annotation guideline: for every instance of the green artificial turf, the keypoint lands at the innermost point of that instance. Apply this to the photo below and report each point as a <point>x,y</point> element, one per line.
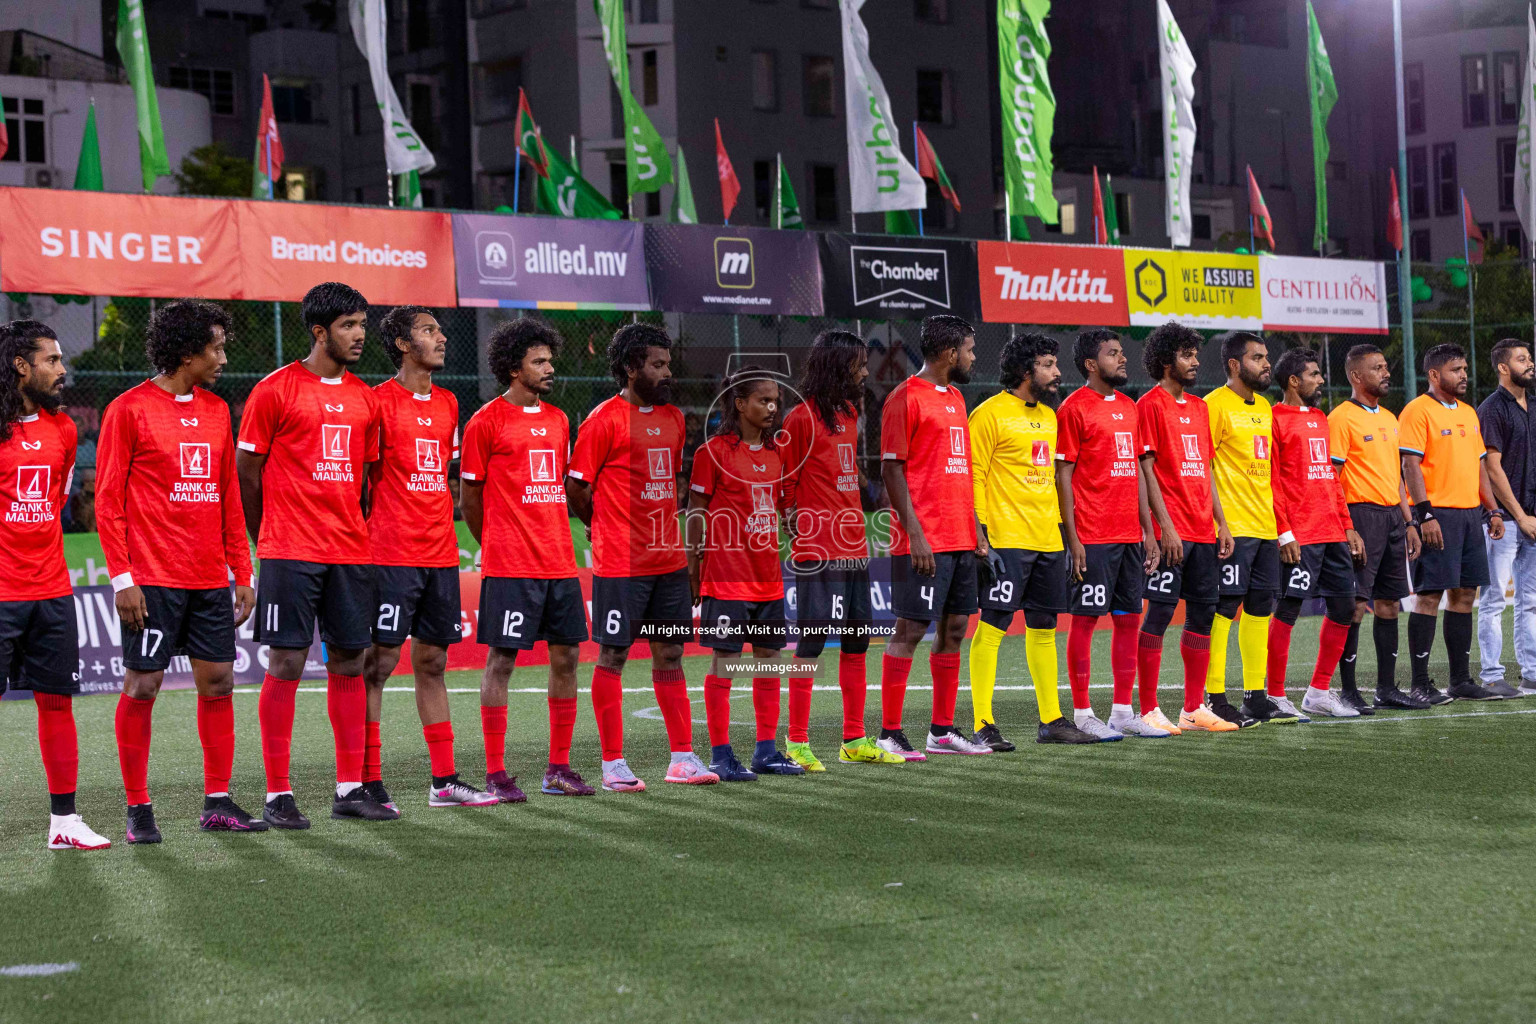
<point>1373,871</point>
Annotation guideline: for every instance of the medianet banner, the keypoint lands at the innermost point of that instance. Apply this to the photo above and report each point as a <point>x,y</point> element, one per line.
<point>549,262</point>
<point>699,268</point>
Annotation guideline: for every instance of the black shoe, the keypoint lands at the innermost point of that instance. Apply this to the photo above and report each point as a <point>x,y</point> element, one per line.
<point>380,795</point>
<point>992,736</point>
<point>730,769</point>
<point>1258,706</point>
<point>141,824</point>
<point>1227,713</point>
<point>1356,701</point>
<point>221,814</point>
<point>1430,695</point>
<point>358,804</point>
<point>1503,689</point>
<point>283,812</point>
<point>1468,689</point>
<point>1392,697</point>
<point>1062,731</point>
<point>777,763</point>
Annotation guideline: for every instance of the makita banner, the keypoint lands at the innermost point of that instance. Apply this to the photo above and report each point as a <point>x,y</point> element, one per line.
<point>889,277</point>
<point>549,262</point>
<point>1076,285</point>
<point>702,268</point>
<point>1304,293</point>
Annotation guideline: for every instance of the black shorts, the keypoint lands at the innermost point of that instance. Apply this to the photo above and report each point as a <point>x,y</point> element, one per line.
<point>630,608</point>
<point>1113,581</point>
<point>197,623</point>
<point>1462,562</point>
<point>515,614</point>
<point>951,590</point>
<point>1384,576</point>
<point>1035,581</point>
<point>39,646</point>
<point>290,594</point>
<point>1253,566</point>
<point>1326,570</point>
<point>726,625</point>
<point>419,603</point>
<point>831,597</point>
<point>1194,579</point>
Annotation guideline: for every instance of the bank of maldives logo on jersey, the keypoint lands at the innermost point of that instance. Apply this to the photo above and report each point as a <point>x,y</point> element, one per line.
<point>33,482</point>
<point>335,441</point>
<point>1317,447</point>
<point>541,465</point>
<point>1261,447</point>
<point>1040,453</point>
<point>429,456</point>
<point>195,460</point>
<point>957,440</point>
<point>1123,447</point>
<point>1191,446</point>
<point>660,460</point>
<point>845,458</point>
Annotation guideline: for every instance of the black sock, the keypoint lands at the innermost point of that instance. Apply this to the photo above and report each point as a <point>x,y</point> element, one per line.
<point>61,803</point>
<point>442,780</point>
<point>1347,661</point>
<point>1458,644</point>
<point>1421,637</point>
<point>1217,699</point>
<point>1384,632</point>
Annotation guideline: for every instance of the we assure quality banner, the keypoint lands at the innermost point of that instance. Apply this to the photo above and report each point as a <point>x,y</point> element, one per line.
<point>1211,290</point>
<point>895,278</point>
<point>549,262</point>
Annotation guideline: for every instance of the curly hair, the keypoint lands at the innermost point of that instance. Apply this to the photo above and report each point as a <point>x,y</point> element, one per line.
<point>1088,345</point>
<point>943,331</point>
<point>627,349</point>
<point>397,324</point>
<point>510,342</point>
<point>326,303</point>
<point>1019,356</point>
<point>739,387</point>
<point>826,383</point>
<point>1163,346</point>
<point>181,330</point>
<point>17,339</point>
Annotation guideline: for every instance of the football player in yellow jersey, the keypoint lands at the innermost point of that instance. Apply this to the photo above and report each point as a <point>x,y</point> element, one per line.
<point>1242,432</point>
<point>1013,453</point>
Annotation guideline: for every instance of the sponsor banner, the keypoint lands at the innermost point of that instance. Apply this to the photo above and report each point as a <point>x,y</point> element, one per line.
<point>549,262</point>
<point>1302,293</point>
<point>59,242</point>
<point>896,278</point>
<point>1022,283</point>
<point>697,268</point>
<point>391,256</point>
<point>1209,290</point>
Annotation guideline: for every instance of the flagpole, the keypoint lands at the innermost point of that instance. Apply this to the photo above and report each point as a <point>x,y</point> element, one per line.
<point>1251,245</point>
<point>1466,257</point>
<point>1404,269</point>
<point>517,176</point>
<point>917,153</point>
<point>277,307</point>
<point>778,190</point>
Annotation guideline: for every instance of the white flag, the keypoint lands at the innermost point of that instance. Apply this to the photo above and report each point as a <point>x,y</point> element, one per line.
<point>1178,66</point>
<point>403,148</point>
<point>880,178</point>
<point>1525,181</point>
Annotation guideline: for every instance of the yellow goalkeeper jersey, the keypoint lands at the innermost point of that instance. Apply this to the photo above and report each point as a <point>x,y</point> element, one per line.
<point>1242,435</point>
<point>1013,468</point>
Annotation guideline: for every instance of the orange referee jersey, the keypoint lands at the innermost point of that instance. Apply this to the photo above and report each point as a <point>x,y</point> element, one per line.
<point>1364,445</point>
<point>1450,441</point>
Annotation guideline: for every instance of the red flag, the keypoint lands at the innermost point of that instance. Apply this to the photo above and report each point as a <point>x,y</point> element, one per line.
<point>1395,217</point>
<point>269,147</point>
<point>730,188</point>
<point>1100,229</point>
<point>1472,231</point>
<point>526,126</point>
<point>5,136</point>
<point>929,167</point>
<point>1262,226</point>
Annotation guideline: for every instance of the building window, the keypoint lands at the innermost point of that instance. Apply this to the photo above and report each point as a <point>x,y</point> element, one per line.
<point>355,108</point>
<point>819,4</point>
<point>933,103</point>
<point>1068,218</point>
<point>618,185</point>
<point>25,125</point>
<point>820,96</point>
<point>1511,235</point>
<point>648,78</point>
<point>1506,82</point>
<point>762,188</point>
<point>296,184</point>
<point>1506,161</point>
<point>421,108</point>
<point>934,12</point>
<point>1418,183</point>
<point>1418,246</point>
<point>496,86</point>
<point>824,192</point>
<point>1123,213</point>
<point>653,204</point>
<point>1413,98</point>
<point>765,80</point>
<point>938,214</point>
<point>218,86</point>
<point>418,25</point>
<point>1447,201</point>
<point>250,22</point>
<point>291,102</point>
<point>1474,90</point>
<point>1201,226</point>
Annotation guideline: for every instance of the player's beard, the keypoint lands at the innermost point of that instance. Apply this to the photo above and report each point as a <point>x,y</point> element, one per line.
<point>1310,399</point>
<point>1254,383</point>
<point>47,400</point>
<point>1525,380</point>
<point>1048,394</point>
<point>654,392</point>
<point>959,376</point>
<point>1118,380</point>
<point>341,353</point>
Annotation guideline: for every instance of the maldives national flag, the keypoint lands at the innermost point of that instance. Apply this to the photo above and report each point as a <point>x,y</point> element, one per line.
<point>929,167</point>
<point>1262,226</point>
<point>1472,231</point>
<point>1100,229</point>
<point>530,142</point>
<point>5,137</point>
<point>730,187</point>
<point>1395,217</point>
<point>269,147</point>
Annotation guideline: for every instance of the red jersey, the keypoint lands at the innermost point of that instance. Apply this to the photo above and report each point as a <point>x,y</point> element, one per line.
<point>1177,432</point>
<point>821,483</point>
<point>925,426</point>
<point>631,456</point>
<point>318,435</point>
<point>519,452</point>
<point>167,497</point>
<point>1097,433</point>
<point>745,488</point>
<point>1309,500</point>
<point>37,463</point>
<point>410,511</point>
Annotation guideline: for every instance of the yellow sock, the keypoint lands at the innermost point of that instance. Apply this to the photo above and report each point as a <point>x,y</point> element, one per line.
<point>1040,654</point>
<point>984,646</point>
<point>1216,674</point>
<point>1253,642</point>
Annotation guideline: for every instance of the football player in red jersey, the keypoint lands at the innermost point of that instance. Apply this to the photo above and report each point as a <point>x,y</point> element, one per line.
<point>415,549</point>
<point>39,646</point>
<point>307,434</point>
<point>172,529</point>
<point>511,489</point>
<point>622,483</point>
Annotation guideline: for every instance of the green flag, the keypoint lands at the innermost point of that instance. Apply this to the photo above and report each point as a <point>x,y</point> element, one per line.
<point>683,211</point>
<point>1111,215</point>
<point>88,167</point>
<point>1029,107</point>
<point>1323,95</point>
<point>567,194</point>
<point>1018,229</point>
<point>408,190</point>
<point>786,208</point>
<point>645,157</point>
<point>900,222</point>
<point>133,51</point>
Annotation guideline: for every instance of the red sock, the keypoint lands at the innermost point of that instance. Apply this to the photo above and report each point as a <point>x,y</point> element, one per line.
<point>133,727</point>
<point>562,723</point>
<point>373,755</point>
<point>439,737</point>
<point>1280,655</point>
<point>216,730</point>
<point>1149,663</point>
<point>854,682</point>
<point>1080,659</point>
<point>765,707</point>
<point>717,709</point>
<point>800,709</point>
<point>608,709</point>
<point>1196,651</point>
<point>945,669</point>
<point>347,702</point>
<point>275,710</point>
<point>493,725</point>
<point>1122,655</point>
<point>58,741</point>
<point>672,695</point>
<point>893,689</point>
<point>1330,648</point>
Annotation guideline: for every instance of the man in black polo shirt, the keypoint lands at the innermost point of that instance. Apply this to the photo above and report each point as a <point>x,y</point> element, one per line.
<point>1508,422</point>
